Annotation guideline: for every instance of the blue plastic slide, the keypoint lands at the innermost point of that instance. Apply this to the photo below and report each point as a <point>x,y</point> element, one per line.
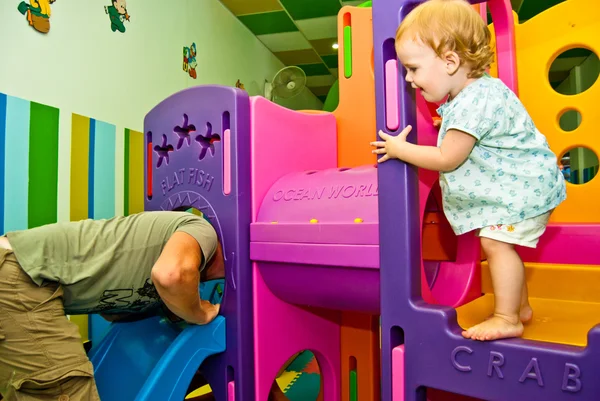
<point>154,359</point>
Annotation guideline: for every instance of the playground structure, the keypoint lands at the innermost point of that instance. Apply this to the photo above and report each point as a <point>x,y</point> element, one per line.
<point>319,241</point>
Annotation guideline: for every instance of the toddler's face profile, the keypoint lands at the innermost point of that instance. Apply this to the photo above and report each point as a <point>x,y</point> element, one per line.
<point>424,69</point>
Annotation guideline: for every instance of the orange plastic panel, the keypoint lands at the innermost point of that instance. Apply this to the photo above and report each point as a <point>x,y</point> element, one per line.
<point>571,24</point>
<point>360,340</point>
<point>355,113</point>
<point>439,241</point>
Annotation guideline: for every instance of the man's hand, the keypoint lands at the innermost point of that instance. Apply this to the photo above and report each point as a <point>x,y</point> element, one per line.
<point>391,146</point>
<point>211,311</point>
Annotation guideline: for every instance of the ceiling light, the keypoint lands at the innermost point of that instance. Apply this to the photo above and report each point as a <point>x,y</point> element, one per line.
<point>335,46</point>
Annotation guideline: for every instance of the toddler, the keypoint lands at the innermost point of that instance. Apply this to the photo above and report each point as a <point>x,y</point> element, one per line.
<point>497,173</point>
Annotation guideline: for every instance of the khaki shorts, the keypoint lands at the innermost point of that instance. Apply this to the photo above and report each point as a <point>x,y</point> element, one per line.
<point>525,233</point>
<point>41,352</point>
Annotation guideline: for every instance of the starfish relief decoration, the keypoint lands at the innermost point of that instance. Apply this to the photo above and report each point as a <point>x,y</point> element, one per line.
<point>162,151</point>
<point>207,142</point>
<point>183,132</point>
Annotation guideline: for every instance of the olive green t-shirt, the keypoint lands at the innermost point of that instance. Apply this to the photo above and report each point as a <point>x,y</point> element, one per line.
<point>104,266</point>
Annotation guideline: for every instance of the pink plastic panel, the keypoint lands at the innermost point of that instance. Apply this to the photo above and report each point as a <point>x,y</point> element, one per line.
<point>286,141</point>
<point>227,162</point>
<point>231,391</point>
<point>323,233</point>
<point>504,26</point>
<point>282,329</point>
<point>398,373</point>
<point>457,282</point>
<point>328,196</point>
<point>332,206</point>
<point>566,244</point>
<point>360,256</point>
<point>392,117</point>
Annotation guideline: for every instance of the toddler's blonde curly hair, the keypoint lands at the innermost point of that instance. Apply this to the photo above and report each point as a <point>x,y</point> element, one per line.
<point>450,25</point>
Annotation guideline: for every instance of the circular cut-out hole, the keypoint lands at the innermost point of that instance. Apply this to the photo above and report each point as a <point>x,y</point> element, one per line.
<point>569,120</point>
<point>307,387</point>
<point>574,71</point>
<point>579,165</point>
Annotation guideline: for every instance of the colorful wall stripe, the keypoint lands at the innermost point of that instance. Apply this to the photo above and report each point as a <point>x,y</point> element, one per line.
<point>80,143</point>
<point>3,99</point>
<point>133,201</point>
<point>93,145</point>
<point>104,170</point>
<point>43,165</point>
<point>16,174</point>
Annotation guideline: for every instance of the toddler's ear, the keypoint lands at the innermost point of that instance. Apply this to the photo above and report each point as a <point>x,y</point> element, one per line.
<point>452,61</point>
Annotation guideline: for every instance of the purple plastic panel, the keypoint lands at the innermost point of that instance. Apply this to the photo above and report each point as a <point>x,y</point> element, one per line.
<point>437,355</point>
<point>192,134</point>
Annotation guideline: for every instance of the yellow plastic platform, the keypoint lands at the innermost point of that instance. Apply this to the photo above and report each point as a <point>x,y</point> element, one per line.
<point>565,301</point>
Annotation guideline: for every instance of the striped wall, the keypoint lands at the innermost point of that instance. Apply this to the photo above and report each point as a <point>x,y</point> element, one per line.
<point>60,166</point>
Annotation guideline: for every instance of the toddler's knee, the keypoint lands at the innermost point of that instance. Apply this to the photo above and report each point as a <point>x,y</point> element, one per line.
<point>492,247</point>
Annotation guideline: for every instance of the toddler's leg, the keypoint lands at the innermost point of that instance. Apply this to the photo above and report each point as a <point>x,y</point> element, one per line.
<point>526,313</point>
<point>508,280</point>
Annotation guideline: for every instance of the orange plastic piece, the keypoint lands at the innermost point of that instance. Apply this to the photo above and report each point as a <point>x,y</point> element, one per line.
<point>439,241</point>
<point>564,298</point>
<point>360,351</point>
<point>355,117</point>
<point>355,114</point>
<point>574,23</point>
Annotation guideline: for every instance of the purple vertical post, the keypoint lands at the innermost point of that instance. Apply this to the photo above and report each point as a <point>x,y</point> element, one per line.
<point>435,353</point>
<point>398,196</point>
<point>200,158</point>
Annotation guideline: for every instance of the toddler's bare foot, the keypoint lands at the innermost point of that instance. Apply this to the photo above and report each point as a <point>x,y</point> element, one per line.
<point>494,328</point>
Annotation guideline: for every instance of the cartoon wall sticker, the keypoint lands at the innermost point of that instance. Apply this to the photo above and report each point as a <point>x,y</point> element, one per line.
<point>118,14</point>
<point>239,85</point>
<point>189,60</point>
<point>38,14</point>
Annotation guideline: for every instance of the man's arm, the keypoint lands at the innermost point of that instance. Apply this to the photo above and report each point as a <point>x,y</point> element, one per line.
<point>176,277</point>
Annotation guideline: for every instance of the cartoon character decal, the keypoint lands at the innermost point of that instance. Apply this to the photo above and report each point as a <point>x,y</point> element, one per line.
<point>117,13</point>
<point>189,60</point>
<point>38,14</point>
<point>239,85</point>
